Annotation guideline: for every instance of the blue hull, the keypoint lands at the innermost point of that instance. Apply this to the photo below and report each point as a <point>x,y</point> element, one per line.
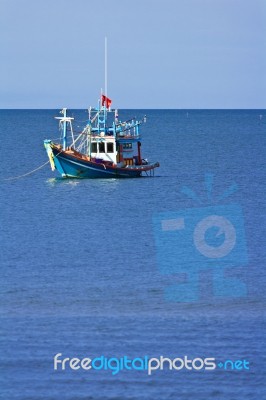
<point>71,166</point>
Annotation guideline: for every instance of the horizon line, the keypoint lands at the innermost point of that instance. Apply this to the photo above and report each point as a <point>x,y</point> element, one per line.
<point>132,108</point>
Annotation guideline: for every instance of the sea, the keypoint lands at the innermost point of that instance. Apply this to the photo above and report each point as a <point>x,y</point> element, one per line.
<point>157,282</point>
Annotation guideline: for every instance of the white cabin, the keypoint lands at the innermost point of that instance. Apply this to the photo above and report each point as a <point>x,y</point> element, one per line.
<point>104,148</point>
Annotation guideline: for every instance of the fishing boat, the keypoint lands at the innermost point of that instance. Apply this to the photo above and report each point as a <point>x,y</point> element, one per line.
<point>105,148</point>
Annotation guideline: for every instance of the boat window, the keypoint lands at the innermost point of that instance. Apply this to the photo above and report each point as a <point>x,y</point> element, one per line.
<point>101,147</point>
<point>94,147</point>
<point>110,147</point>
<point>127,146</point>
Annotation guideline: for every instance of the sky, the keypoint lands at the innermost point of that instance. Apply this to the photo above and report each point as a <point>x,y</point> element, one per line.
<point>178,54</point>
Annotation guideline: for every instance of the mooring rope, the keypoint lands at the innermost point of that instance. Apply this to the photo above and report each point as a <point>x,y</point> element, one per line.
<point>27,173</point>
<point>31,172</point>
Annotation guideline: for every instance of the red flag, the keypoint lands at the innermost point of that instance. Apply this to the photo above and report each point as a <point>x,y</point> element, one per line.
<point>106,101</point>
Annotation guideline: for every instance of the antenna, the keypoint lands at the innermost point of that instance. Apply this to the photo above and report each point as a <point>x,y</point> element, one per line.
<point>105,66</point>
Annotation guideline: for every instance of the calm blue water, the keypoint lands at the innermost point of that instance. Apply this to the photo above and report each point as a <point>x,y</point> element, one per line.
<point>79,262</point>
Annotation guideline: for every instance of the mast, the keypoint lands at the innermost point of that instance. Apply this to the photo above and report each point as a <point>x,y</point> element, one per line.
<point>64,129</point>
<point>63,122</point>
<point>105,81</point>
<point>105,66</point>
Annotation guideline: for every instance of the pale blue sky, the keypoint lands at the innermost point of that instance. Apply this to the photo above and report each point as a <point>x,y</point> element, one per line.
<point>161,54</point>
